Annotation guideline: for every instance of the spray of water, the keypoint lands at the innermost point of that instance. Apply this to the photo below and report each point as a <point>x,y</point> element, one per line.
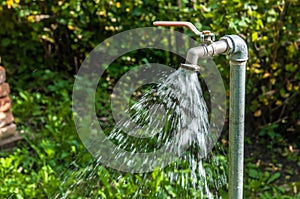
<point>174,115</point>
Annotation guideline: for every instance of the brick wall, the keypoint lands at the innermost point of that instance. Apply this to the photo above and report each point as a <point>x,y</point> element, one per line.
<point>7,126</point>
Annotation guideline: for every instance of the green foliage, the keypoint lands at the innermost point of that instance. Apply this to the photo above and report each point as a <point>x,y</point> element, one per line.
<point>59,34</point>
<point>42,45</point>
<point>261,184</point>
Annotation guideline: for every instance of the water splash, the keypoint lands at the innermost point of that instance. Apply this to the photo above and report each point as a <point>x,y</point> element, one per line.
<point>173,111</point>
<point>174,115</point>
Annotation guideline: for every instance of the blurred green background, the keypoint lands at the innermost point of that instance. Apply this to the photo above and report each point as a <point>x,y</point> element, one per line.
<point>43,43</point>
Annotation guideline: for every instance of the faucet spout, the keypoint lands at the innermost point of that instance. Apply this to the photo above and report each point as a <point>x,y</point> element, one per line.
<point>203,51</point>
<point>232,45</point>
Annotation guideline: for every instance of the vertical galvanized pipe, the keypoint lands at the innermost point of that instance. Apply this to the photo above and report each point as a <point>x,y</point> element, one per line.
<point>236,48</point>
<point>236,128</point>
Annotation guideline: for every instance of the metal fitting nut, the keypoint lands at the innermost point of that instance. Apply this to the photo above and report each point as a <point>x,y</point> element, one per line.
<point>229,43</point>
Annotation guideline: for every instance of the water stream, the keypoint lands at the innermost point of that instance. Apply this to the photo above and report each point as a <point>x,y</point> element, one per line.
<point>172,115</point>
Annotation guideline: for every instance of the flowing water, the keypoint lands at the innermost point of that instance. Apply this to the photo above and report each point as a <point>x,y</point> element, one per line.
<point>172,115</point>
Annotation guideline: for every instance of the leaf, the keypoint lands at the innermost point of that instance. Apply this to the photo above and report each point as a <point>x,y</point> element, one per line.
<point>5,42</point>
<point>274,177</point>
<point>257,113</point>
<point>291,67</point>
<point>254,173</point>
<point>266,75</point>
<point>254,36</point>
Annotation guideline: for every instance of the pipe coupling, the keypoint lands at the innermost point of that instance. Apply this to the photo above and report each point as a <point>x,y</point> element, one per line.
<point>236,48</point>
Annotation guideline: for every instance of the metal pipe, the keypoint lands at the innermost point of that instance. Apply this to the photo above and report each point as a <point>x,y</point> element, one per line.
<point>205,50</point>
<point>236,48</point>
<point>236,128</point>
<point>238,59</point>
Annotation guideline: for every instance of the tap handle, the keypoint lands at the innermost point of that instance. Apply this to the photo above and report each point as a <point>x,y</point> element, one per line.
<point>205,36</point>
<point>178,23</point>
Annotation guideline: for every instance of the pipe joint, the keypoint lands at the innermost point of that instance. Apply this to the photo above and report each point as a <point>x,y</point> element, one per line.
<point>236,48</point>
